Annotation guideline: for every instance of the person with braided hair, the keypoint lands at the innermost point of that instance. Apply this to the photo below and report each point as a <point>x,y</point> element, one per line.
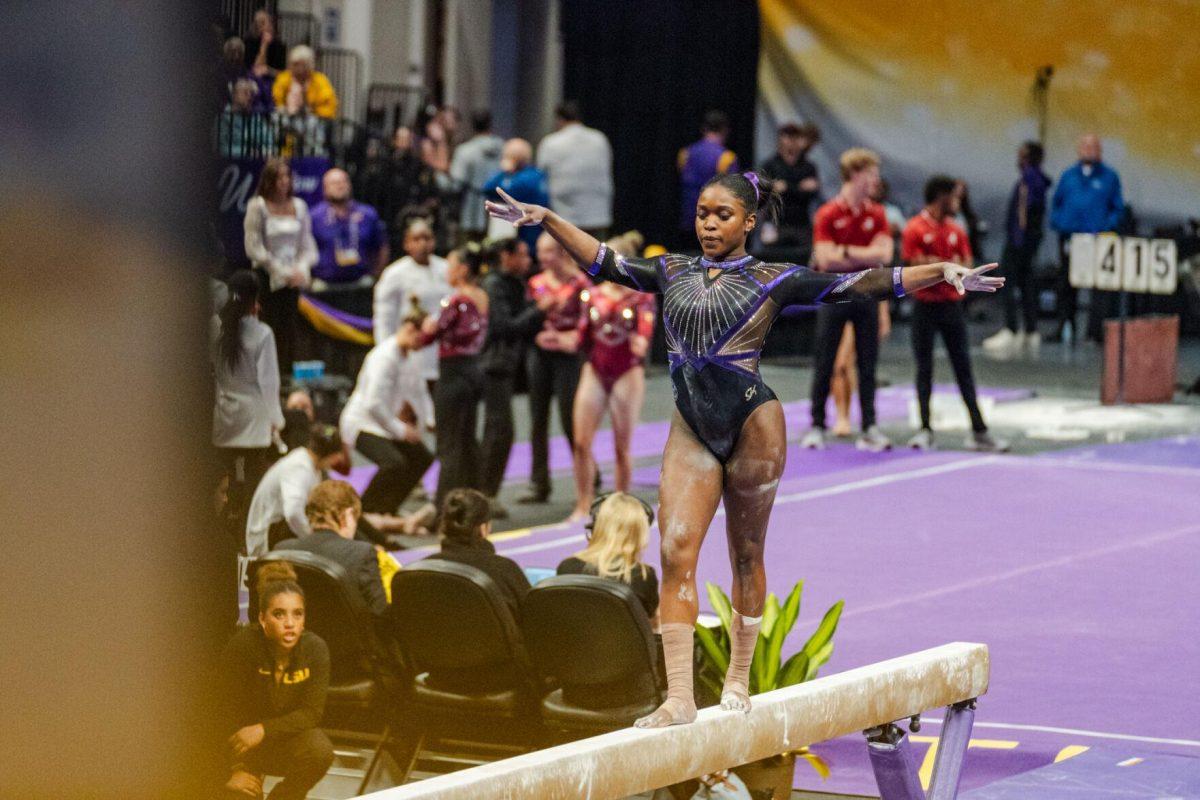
<point>727,438</point>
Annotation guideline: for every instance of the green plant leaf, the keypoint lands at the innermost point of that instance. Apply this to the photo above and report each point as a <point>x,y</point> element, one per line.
<point>791,608</point>
<point>774,642</point>
<point>824,632</point>
<point>818,660</point>
<point>720,604</point>
<point>716,655</point>
<point>794,670</point>
<point>712,685</point>
<point>769,615</point>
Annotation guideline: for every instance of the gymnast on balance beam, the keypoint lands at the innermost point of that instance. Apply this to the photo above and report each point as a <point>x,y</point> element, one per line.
<point>727,436</point>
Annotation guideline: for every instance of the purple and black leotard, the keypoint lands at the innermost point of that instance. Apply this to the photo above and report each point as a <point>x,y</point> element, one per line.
<point>715,326</point>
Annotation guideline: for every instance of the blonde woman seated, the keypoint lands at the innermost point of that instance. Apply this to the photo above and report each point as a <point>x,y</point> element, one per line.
<point>620,532</point>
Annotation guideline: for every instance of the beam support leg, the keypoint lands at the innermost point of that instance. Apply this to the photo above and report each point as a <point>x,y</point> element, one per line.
<point>895,773</point>
<point>952,750</point>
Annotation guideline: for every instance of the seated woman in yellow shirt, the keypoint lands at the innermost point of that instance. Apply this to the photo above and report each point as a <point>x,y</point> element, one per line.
<point>300,88</point>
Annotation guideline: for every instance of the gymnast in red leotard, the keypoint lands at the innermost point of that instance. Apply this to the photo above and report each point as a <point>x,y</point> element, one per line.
<point>614,333</point>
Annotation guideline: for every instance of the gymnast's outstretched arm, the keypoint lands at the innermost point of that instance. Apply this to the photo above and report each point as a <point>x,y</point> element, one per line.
<point>588,252</point>
<point>804,287</point>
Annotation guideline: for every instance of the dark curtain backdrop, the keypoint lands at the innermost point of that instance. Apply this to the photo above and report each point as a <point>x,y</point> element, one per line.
<point>644,72</point>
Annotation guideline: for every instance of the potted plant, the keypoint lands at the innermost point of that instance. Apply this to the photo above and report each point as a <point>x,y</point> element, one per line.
<point>768,671</point>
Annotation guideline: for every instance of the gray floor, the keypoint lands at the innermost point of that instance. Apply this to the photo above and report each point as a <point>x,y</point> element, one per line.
<point>1057,371</point>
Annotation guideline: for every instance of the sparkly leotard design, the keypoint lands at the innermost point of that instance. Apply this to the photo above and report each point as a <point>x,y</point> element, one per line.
<point>716,324</point>
<point>606,328</point>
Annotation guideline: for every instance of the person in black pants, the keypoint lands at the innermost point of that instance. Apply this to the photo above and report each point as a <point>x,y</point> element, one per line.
<point>1026,213</point>
<point>932,236</point>
<point>850,232</point>
<point>553,370</point>
<point>460,329</point>
<point>513,320</point>
<point>276,676</point>
<point>384,418</point>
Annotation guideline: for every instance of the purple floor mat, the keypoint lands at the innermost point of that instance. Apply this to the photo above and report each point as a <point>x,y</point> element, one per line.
<point>1102,774</point>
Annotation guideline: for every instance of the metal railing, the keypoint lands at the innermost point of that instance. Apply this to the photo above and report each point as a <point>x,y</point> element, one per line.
<point>241,13</point>
<point>297,29</point>
<point>390,105</point>
<point>344,70</point>
<point>260,136</point>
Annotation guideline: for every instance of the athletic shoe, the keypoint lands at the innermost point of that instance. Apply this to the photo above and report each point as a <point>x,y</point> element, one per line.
<point>498,510</point>
<point>1001,342</point>
<point>873,440</point>
<point>983,442</point>
<point>814,439</point>
<point>534,497</point>
<point>923,440</point>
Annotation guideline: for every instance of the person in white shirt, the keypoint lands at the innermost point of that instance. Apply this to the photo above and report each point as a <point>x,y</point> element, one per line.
<point>246,411</point>
<point>279,242</point>
<point>384,419</point>
<point>277,510</point>
<point>474,161</point>
<point>577,161</point>
<point>419,279</point>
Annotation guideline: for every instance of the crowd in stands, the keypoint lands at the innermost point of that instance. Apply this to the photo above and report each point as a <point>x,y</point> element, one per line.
<point>506,307</point>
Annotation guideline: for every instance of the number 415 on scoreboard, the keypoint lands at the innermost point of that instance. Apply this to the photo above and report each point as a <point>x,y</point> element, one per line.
<point>1115,263</point>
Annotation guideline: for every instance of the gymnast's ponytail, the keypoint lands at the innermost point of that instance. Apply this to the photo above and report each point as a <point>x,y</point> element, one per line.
<point>753,190</point>
<point>243,296</point>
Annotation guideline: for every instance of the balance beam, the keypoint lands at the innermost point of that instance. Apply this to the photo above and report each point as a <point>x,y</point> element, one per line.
<point>630,761</point>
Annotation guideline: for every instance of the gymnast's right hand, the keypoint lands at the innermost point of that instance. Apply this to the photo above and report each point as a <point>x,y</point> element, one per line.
<point>514,211</point>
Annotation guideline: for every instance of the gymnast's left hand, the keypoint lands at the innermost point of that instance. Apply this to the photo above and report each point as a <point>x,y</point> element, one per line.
<point>971,280</point>
<point>516,212</point>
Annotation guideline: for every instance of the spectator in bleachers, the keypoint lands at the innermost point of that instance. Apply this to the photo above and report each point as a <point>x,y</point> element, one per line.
<point>465,524</point>
<point>967,219</point>
<point>384,419</point>
<point>351,239</point>
<point>795,178</point>
<point>277,510</point>
<point>619,535</point>
<point>513,320</point>
<point>1088,200</point>
<point>242,131</point>
<point>265,54</point>
<point>233,69</point>
<point>524,182</point>
<point>419,280</point>
<point>279,243</point>
<point>434,145</point>
<point>300,89</point>
<point>399,186</point>
<point>577,161</point>
<point>460,330</point>
<point>246,412</point>
<point>474,162</point>
<point>697,163</point>
<point>554,363</point>
<point>934,236</point>
<point>332,510</point>
<point>1023,231</point>
<point>276,676</point>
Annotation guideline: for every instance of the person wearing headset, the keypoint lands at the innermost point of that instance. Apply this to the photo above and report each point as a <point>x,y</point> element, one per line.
<point>617,535</point>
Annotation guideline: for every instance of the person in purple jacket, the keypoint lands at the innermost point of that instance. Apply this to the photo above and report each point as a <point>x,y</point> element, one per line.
<point>1024,227</point>
<point>520,179</point>
<point>700,161</point>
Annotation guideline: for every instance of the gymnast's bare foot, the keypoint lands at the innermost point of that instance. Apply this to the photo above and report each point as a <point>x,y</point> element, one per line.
<point>674,711</point>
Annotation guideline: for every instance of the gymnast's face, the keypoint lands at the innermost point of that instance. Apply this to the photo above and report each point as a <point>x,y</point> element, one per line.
<point>722,223</point>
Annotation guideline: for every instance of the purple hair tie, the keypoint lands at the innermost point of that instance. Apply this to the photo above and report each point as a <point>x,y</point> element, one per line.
<point>753,178</point>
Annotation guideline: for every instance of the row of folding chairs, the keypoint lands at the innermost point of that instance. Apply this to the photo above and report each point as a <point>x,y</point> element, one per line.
<point>450,663</point>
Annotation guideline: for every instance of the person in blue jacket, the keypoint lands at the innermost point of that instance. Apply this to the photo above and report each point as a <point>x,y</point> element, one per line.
<point>520,179</point>
<point>1087,200</point>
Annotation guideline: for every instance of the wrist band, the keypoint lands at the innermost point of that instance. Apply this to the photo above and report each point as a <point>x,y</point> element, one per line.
<point>599,261</point>
<point>897,281</point>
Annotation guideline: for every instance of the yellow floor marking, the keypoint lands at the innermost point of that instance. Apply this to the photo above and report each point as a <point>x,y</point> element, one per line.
<point>1070,751</point>
<point>516,533</point>
<point>926,771</point>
